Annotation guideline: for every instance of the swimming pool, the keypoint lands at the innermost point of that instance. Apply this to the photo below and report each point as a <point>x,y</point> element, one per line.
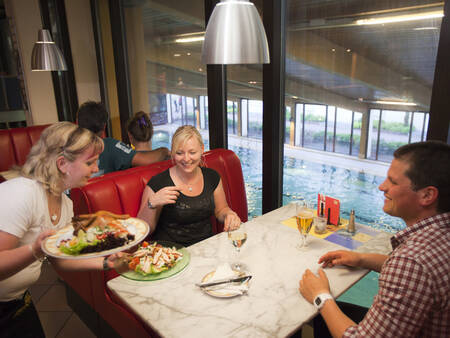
<point>355,190</point>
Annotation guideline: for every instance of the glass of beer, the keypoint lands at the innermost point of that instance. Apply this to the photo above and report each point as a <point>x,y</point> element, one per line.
<point>304,216</point>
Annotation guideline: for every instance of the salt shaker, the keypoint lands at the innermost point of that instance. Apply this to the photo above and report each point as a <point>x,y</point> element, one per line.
<point>351,223</point>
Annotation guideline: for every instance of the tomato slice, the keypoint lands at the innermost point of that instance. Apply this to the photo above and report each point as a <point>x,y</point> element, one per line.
<point>134,262</point>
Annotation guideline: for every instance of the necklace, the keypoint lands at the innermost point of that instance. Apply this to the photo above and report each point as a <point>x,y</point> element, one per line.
<point>188,185</point>
<point>54,205</point>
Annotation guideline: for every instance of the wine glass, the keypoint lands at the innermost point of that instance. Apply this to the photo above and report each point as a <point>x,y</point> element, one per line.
<point>304,217</point>
<point>237,238</point>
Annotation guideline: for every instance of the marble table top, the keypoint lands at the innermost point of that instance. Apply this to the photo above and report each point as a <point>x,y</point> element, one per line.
<point>273,306</point>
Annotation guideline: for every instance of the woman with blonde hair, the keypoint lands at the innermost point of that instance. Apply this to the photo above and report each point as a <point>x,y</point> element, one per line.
<point>179,202</point>
<point>32,206</point>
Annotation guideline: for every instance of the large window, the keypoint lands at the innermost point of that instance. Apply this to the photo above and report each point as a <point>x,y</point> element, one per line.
<point>167,78</point>
<point>364,86</point>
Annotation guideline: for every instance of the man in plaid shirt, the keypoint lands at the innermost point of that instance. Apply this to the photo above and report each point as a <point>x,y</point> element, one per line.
<point>414,283</point>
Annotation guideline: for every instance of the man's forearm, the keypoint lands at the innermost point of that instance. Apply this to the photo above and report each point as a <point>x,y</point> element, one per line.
<point>336,320</point>
<point>372,261</point>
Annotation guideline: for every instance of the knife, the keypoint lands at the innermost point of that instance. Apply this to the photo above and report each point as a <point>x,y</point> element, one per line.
<point>225,281</point>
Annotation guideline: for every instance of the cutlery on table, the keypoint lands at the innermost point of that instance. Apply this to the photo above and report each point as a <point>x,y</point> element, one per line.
<point>225,281</point>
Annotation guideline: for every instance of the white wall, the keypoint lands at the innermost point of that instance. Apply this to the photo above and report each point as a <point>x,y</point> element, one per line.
<point>82,43</point>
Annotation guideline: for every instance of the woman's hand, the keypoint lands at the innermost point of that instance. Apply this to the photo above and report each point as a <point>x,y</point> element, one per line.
<point>119,262</point>
<point>231,221</point>
<point>340,257</point>
<point>36,247</point>
<point>166,195</point>
<point>311,285</point>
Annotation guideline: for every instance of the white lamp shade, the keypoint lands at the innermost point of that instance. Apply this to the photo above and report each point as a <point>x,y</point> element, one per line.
<point>46,55</point>
<point>235,35</point>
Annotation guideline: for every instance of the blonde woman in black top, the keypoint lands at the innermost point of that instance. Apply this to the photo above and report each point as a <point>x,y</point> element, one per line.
<point>178,203</point>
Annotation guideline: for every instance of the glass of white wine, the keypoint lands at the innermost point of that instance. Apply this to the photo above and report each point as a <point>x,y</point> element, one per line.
<point>237,238</point>
<point>304,217</point>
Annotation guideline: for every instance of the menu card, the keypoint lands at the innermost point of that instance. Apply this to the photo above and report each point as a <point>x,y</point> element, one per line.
<point>330,207</point>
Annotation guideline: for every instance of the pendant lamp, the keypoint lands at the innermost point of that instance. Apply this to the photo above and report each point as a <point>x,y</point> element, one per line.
<point>46,55</point>
<point>235,35</point>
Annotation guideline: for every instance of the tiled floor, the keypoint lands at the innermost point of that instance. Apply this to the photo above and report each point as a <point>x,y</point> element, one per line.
<point>56,316</point>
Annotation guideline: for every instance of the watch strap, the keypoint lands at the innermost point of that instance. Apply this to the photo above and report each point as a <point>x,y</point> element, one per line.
<point>320,300</point>
<point>105,264</point>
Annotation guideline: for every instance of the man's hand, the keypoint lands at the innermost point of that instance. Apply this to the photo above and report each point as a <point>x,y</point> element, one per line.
<point>341,257</point>
<point>311,285</point>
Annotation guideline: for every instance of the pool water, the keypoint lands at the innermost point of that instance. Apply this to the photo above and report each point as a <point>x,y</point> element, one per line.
<point>355,190</point>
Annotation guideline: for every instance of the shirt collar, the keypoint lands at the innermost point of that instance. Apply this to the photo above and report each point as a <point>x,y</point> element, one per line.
<point>441,220</point>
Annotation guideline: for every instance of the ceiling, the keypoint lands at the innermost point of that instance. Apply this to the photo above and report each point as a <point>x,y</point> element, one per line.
<point>329,59</point>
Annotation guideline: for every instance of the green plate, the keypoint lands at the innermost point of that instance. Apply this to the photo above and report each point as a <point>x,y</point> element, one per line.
<point>181,264</point>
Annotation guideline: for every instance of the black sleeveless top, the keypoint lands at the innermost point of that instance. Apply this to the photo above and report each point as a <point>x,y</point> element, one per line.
<point>188,220</point>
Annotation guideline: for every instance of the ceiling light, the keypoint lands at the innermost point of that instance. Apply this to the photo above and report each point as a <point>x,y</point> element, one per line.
<point>401,18</point>
<point>235,35</point>
<point>191,39</point>
<point>348,50</point>
<point>396,103</point>
<point>176,55</point>
<point>425,28</point>
<point>46,55</point>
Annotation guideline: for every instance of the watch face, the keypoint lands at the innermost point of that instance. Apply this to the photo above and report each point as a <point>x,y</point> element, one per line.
<point>317,301</point>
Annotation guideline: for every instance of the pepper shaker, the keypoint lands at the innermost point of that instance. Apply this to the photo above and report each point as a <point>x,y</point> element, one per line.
<point>351,223</point>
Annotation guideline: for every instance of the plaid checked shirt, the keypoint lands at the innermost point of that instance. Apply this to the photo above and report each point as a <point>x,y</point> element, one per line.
<point>414,285</point>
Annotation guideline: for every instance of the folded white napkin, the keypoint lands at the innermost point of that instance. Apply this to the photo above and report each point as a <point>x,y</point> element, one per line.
<point>224,271</point>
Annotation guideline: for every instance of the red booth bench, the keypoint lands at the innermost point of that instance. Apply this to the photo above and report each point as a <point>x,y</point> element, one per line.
<point>120,192</point>
<point>15,144</point>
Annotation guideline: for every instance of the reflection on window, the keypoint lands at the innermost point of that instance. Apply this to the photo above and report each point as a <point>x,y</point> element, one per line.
<point>356,134</point>
<point>314,130</point>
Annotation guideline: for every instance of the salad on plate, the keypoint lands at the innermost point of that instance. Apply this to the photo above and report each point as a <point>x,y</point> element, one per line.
<point>154,258</point>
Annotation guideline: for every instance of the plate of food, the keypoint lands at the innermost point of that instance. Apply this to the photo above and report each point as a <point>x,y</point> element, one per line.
<point>157,260</point>
<point>96,235</point>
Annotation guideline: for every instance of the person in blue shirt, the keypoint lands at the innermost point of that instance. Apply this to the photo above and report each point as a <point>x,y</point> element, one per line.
<point>116,155</point>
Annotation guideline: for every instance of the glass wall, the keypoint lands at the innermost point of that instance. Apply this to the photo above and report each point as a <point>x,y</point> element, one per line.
<point>364,72</point>
<point>314,126</point>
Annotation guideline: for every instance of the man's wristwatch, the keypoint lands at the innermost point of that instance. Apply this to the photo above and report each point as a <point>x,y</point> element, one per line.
<point>150,205</point>
<point>320,300</point>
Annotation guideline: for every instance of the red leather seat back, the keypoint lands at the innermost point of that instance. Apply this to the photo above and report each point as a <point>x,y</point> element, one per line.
<point>21,143</point>
<point>35,132</point>
<point>8,158</point>
<point>15,144</point>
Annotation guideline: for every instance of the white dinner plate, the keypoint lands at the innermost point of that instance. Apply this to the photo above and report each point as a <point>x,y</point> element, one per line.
<point>224,291</point>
